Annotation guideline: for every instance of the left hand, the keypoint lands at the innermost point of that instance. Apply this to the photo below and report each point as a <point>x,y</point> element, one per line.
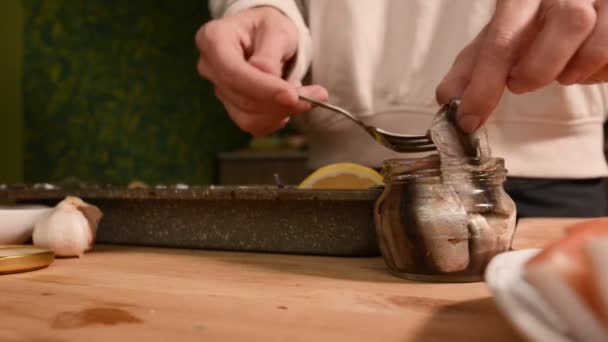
<point>527,45</point>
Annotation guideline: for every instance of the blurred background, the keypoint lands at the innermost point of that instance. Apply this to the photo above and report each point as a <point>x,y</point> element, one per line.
<point>107,91</point>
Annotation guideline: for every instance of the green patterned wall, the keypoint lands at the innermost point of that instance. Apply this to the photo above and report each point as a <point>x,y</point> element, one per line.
<point>11,120</point>
<point>111,93</point>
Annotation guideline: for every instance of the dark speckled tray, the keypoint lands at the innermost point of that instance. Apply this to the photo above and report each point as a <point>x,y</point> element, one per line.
<point>260,219</point>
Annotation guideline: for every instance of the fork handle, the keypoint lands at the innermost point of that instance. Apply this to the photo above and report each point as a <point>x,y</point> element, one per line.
<point>333,108</point>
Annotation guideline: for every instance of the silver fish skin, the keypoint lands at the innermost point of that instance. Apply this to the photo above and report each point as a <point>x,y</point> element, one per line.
<point>451,141</point>
<point>454,144</point>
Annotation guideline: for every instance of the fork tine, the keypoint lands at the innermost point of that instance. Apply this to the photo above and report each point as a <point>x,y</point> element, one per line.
<point>407,145</point>
<point>414,149</point>
<point>401,136</point>
<point>417,141</point>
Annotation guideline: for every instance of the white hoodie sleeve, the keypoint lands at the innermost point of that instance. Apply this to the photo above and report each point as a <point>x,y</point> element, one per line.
<point>221,8</point>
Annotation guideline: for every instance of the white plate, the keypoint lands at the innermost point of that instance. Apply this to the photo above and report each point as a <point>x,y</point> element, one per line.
<point>17,222</point>
<point>519,301</point>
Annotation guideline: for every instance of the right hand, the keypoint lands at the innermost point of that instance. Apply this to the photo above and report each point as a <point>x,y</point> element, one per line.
<point>245,56</point>
<point>527,45</point>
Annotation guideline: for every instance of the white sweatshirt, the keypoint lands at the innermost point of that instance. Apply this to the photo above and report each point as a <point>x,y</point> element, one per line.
<point>383,59</point>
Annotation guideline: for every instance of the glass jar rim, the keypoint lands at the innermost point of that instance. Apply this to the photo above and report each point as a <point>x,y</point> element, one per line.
<point>435,157</point>
<point>449,169</point>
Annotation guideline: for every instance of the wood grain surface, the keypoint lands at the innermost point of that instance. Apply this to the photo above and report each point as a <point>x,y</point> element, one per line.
<point>150,294</point>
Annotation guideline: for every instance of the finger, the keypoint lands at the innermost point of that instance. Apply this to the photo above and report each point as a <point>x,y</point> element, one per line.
<point>267,108</point>
<point>226,59</point>
<point>600,76</point>
<point>256,124</point>
<point>273,46</point>
<point>593,54</point>
<point>240,101</point>
<point>204,69</point>
<point>496,56</point>
<point>458,77</point>
<point>314,91</point>
<point>206,38</point>
<point>567,25</point>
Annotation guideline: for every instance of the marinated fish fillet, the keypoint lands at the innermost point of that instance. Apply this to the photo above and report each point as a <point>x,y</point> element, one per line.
<point>485,239</point>
<point>442,224</point>
<point>482,207</point>
<point>453,142</point>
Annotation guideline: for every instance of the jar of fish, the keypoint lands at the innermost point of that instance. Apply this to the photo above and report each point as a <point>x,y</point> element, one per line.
<point>443,219</point>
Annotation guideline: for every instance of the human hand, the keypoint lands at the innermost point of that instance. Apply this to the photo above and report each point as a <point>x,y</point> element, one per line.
<point>527,45</point>
<point>245,56</point>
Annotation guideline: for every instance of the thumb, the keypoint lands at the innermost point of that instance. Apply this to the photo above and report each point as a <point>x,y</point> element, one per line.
<point>272,48</point>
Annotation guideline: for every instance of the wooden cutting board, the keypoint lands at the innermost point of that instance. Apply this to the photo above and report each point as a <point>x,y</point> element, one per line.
<point>152,294</point>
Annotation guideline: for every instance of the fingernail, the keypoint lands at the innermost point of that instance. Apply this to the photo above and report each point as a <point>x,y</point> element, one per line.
<point>314,91</point>
<point>469,123</point>
<point>285,98</point>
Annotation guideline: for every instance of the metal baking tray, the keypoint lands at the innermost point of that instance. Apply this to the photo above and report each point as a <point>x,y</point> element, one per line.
<point>232,218</point>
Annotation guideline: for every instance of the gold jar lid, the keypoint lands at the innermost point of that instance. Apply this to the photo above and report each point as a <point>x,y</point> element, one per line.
<point>23,258</point>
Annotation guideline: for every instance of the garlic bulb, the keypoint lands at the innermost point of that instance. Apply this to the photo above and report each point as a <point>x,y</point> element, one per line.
<point>68,230</point>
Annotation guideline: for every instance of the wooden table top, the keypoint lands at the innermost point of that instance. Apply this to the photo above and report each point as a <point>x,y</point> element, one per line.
<point>152,294</point>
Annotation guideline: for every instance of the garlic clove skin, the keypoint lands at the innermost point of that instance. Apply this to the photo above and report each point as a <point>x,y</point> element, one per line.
<point>70,229</point>
<point>65,232</point>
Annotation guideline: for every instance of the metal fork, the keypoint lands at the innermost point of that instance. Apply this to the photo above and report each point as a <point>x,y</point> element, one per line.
<point>396,142</point>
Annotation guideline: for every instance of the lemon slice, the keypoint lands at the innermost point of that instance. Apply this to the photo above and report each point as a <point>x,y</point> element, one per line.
<point>342,176</point>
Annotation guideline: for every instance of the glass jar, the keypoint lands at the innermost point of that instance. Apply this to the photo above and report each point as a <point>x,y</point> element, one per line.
<point>443,220</point>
